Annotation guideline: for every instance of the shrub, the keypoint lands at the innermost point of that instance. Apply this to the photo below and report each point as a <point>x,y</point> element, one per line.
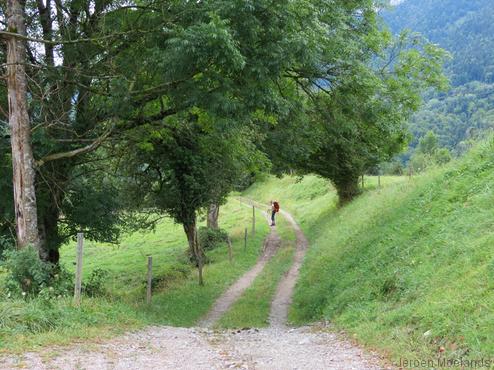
<point>175,273</point>
<point>29,276</point>
<point>211,238</point>
<point>5,244</point>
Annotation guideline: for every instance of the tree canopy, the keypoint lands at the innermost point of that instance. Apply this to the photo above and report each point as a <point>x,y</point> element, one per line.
<point>164,107</point>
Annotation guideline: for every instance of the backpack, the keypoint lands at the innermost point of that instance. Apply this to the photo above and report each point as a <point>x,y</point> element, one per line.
<point>276,206</point>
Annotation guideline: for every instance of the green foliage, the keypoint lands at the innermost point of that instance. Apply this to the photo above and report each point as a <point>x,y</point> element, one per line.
<point>428,144</point>
<point>362,122</point>
<point>428,154</point>
<point>394,167</point>
<point>28,276</point>
<point>457,117</point>
<point>211,238</point>
<point>464,28</point>
<point>177,299</point>
<point>7,229</point>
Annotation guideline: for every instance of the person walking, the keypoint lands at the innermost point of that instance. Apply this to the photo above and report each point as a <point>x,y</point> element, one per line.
<point>275,208</point>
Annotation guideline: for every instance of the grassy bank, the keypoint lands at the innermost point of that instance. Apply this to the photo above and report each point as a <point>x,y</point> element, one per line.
<point>177,298</point>
<point>407,269</point>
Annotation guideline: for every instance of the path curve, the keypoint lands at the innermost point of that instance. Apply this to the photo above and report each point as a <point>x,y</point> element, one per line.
<point>282,300</point>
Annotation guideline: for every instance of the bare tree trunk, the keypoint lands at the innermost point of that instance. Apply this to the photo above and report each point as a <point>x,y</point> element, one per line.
<point>22,154</point>
<point>194,247</point>
<point>213,214</point>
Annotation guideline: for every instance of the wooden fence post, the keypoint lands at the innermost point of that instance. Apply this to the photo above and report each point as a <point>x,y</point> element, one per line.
<point>379,180</point>
<point>253,220</point>
<point>78,269</point>
<point>150,280</point>
<point>245,239</point>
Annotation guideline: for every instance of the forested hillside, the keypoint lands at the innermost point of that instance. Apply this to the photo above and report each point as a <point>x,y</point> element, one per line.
<point>465,29</point>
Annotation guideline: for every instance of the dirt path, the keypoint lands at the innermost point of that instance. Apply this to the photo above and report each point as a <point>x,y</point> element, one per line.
<point>225,301</point>
<point>277,347</point>
<point>283,298</point>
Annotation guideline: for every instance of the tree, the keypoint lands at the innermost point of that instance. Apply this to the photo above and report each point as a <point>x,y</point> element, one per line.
<point>230,72</point>
<point>428,144</point>
<point>428,153</point>
<point>182,167</point>
<point>362,121</point>
<point>70,113</point>
<point>26,218</point>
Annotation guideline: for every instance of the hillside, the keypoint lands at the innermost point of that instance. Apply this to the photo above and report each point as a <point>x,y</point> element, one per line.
<point>465,29</point>
<point>407,269</point>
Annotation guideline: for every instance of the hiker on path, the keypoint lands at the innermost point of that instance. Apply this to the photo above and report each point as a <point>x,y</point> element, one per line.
<point>275,208</point>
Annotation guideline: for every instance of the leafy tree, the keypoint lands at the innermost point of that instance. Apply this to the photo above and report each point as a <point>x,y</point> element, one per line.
<point>362,121</point>
<point>179,169</point>
<point>428,153</point>
<point>227,76</point>
<point>428,144</point>
<point>464,28</point>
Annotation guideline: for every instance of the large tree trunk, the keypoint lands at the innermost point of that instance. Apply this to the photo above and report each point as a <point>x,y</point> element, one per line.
<point>347,189</point>
<point>194,248</point>
<point>22,154</point>
<point>213,214</point>
<point>48,230</point>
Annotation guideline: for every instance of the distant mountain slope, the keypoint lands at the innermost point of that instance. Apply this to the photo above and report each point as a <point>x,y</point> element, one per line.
<point>464,27</point>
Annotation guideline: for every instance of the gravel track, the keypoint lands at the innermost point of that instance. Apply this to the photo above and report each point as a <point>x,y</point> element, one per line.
<point>277,347</point>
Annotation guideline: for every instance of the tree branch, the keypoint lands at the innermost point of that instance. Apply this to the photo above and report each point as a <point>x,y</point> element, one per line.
<point>89,148</point>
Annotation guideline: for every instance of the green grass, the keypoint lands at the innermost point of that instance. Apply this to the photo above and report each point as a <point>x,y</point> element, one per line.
<point>406,269</point>
<point>177,297</point>
<point>252,309</point>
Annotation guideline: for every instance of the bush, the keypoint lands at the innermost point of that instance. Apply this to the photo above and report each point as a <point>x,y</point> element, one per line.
<point>211,238</point>
<point>394,168</point>
<point>28,276</point>
<point>175,273</point>
<point>6,243</point>
<point>208,239</point>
